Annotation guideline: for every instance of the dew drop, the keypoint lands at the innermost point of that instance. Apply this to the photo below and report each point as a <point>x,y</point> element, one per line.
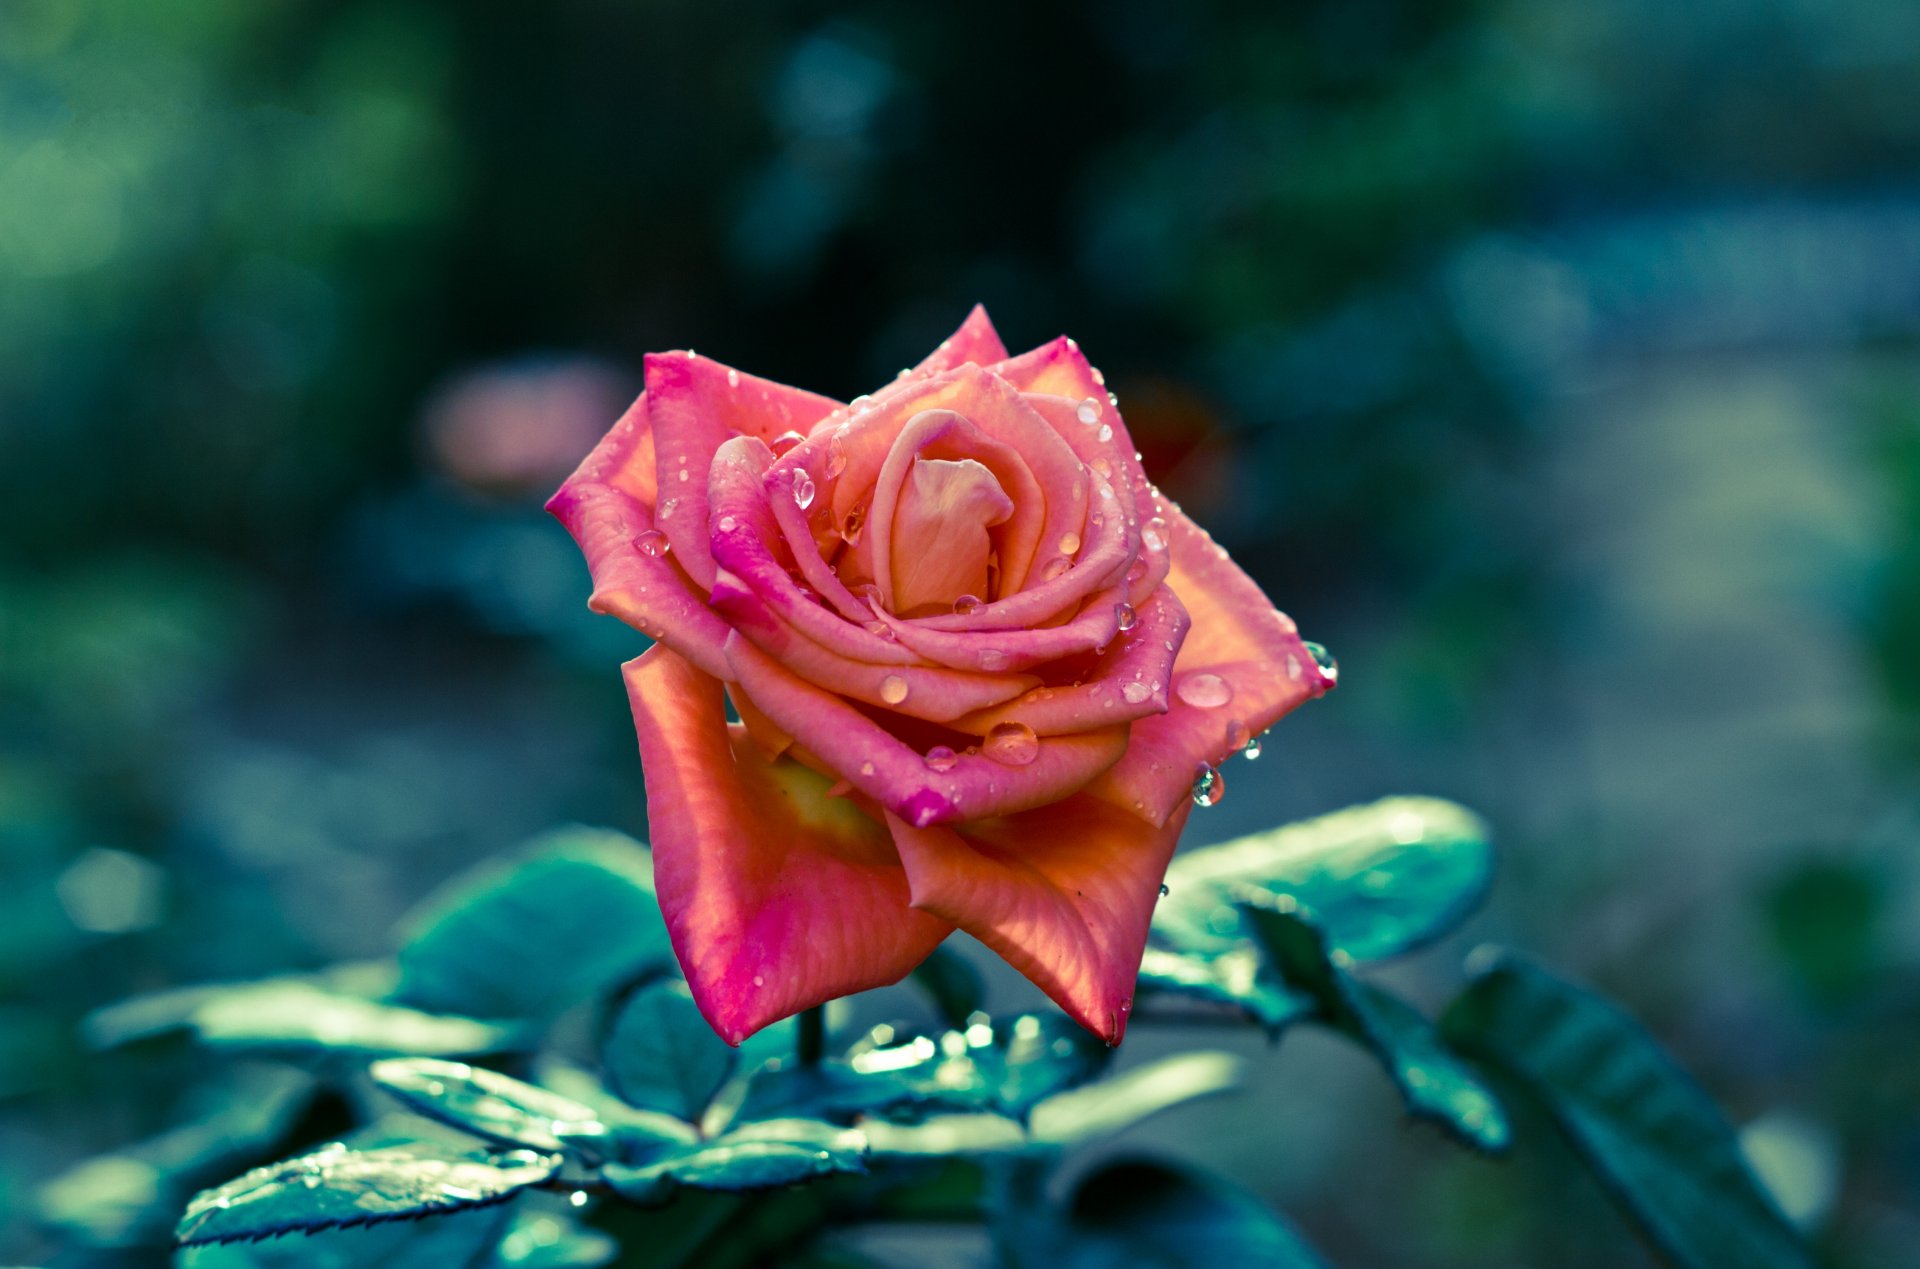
<point>727,524</point>
<point>941,758</point>
<point>1329,668</point>
<point>1253,748</point>
<point>785,443</point>
<point>759,980</point>
<point>1237,735</point>
<point>859,401</point>
<point>855,522</point>
<point>836,458</point>
<point>866,768</point>
<point>1135,692</point>
<point>1089,411</point>
<point>1012,743</point>
<point>880,630</point>
<point>1124,617</point>
<point>579,1197</point>
<point>803,489</point>
<point>1103,467</point>
<point>967,605</point>
<point>1208,787</point>
<point>1069,543</point>
<point>1105,433</point>
<point>1153,534</point>
<point>653,543</point>
<point>1054,568</point>
<point>893,689</point>
<point>1204,691</point>
<point>683,475</point>
<point>733,378</point>
<point>1164,892</point>
<point>666,508</point>
<point>1293,667</point>
<point>992,659</point>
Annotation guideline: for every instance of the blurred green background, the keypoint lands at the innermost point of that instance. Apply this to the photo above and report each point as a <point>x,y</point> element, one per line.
<point>1553,361</point>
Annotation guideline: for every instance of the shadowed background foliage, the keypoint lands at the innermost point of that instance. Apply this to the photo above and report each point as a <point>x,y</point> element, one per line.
<point>1552,361</point>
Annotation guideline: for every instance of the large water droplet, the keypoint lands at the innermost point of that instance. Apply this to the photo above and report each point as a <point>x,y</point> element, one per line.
<point>654,543</point>
<point>836,458</point>
<point>1124,617</point>
<point>1153,534</point>
<point>967,605</point>
<point>893,689</point>
<point>941,758</point>
<point>1069,543</point>
<point>785,443</point>
<point>1329,668</point>
<point>1204,691</point>
<point>856,521</point>
<point>1208,786</point>
<point>1135,692</point>
<point>1089,411</point>
<point>1012,743</point>
<point>728,524</point>
<point>803,489</point>
<point>1054,567</point>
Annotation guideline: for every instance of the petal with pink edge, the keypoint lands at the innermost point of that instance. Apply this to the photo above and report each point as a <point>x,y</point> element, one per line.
<point>976,341</point>
<point>1064,893</point>
<point>777,898</point>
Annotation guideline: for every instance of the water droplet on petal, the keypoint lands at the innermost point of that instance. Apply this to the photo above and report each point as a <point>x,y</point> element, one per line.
<point>1055,566</point>
<point>1069,543</point>
<point>653,543</point>
<point>759,980</point>
<point>666,508</point>
<point>893,689</point>
<point>1204,691</point>
<point>802,489</point>
<point>1153,534</point>
<point>1164,892</point>
<point>836,458</point>
<point>1012,743</point>
<point>785,443</point>
<point>1123,617</point>
<point>1293,667</point>
<point>1329,668</point>
<point>1253,748</point>
<point>1208,787</point>
<point>683,474</point>
<point>1135,692</point>
<point>1089,411</point>
<point>880,630</point>
<point>1103,467</point>
<point>941,758</point>
<point>856,521</point>
<point>1237,735</point>
<point>866,768</point>
<point>727,524</point>
<point>859,401</point>
<point>967,605</point>
<point>1106,432</point>
<point>992,659</point>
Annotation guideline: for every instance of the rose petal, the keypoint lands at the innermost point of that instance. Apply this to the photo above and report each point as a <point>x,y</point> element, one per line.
<point>776,897</point>
<point>696,405</point>
<point>1064,893</point>
<point>894,774</point>
<point>1094,628</point>
<point>976,341</point>
<point>1238,636</point>
<point>1139,662</point>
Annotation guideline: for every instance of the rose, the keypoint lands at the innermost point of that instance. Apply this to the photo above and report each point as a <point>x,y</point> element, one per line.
<point>977,659</point>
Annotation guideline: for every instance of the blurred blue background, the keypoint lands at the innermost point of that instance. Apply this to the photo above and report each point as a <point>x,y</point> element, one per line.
<point>1553,361</point>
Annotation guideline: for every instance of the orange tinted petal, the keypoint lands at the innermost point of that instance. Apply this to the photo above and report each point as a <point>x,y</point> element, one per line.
<point>976,341</point>
<point>777,897</point>
<point>1064,893</point>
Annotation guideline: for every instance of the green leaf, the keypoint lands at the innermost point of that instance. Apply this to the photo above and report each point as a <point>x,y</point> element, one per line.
<point>1382,879</point>
<point>660,1054</point>
<point>1654,1139</point>
<point>460,1239</point>
<point>1434,1084</point>
<point>756,1157</point>
<point>491,1105</point>
<point>1240,978</point>
<point>944,1136</point>
<point>953,982</point>
<point>335,1186</point>
<point>297,1017</point>
<point>571,915</point>
<point>545,1240</point>
<point>1143,1213</point>
<point>1099,1110</point>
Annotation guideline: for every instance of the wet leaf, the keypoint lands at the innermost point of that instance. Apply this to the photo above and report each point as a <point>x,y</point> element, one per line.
<point>459,1239</point>
<point>1099,1110</point>
<point>571,915</point>
<point>491,1105</point>
<point>1145,1213</point>
<point>1381,879</point>
<point>953,982</point>
<point>660,1054</point>
<point>1434,1084</point>
<point>755,1157</point>
<point>544,1240</point>
<point>1240,977</point>
<point>297,1017</point>
<point>335,1187</point>
<point>1654,1139</point>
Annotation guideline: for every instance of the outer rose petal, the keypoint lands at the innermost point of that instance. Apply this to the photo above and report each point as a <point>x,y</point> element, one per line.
<point>1236,634</point>
<point>1064,893</point>
<point>777,898</point>
<point>976,341</point>
<point>607,506</point>
<point>697,404</point>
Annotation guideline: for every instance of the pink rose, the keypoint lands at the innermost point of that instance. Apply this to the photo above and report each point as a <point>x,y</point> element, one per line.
<point>977,659</point>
